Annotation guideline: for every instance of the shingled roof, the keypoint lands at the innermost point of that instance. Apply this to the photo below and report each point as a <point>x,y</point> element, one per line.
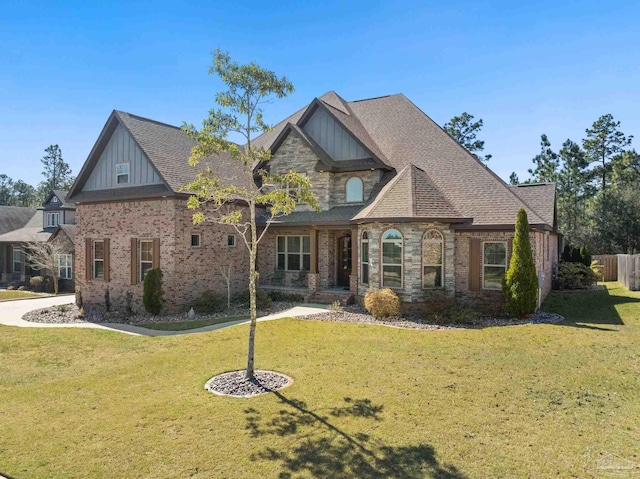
<point>168,149</point>
<point>14,217</point>
<point>403,135</point>
<point>410,195</point>
<point>541,197</point>
<point>31,231</point>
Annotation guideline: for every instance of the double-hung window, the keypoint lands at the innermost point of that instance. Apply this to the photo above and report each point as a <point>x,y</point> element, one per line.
<point>17,260</point>
<point>364,259</point>
<point>294,253</point>
<point>65,266</point>
<point>53,219</point>
<point>494,264</point>
<point>146,258</point>
<point>122,173</point>
<point>98,260</point>
<point>392,259</point>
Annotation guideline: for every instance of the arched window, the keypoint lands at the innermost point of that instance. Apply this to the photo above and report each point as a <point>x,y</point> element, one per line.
<point>432,259</point>
<point>392,259</point>
<point>364,258</point>
<point>355,190</point>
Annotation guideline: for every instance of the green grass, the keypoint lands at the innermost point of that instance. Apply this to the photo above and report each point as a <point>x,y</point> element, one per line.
<point>368,401</point>
<point>192,324</point>
<point>10,295</point>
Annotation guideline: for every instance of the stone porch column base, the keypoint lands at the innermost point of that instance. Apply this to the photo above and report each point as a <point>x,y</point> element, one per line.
<point>313,280</point>
<point>353,283</point>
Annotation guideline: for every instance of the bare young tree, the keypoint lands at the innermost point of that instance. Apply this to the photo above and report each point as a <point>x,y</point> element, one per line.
<point>44,257</point>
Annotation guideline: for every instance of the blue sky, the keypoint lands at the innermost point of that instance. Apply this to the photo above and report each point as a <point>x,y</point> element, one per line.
<point>526,68</point>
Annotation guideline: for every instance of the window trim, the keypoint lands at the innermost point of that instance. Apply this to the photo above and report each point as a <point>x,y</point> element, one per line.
<point>141,261</point>
<point>50,216</point>
<point>383,264</point>
<point>233,244</point>
<point>196,235</point>
<point>68,257</point>
<point>505,266</point>
<point>364,239</point>
<point>346,190</point>
<point>286,252</point>
<point>118,175</point>
<point>15,250</point>
<point>94,260</point>
<point>441,265</point>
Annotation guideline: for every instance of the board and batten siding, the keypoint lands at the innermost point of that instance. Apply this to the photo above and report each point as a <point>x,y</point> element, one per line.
<point>122,148</point>
<point>334,139</point>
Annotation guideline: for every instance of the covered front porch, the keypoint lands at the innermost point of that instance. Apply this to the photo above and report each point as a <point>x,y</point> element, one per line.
<point>309,260</point>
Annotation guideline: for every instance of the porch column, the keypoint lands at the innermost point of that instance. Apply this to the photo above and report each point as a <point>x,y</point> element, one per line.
<point>313,278</point>
<point>353,277</point>
<point>313,268</point>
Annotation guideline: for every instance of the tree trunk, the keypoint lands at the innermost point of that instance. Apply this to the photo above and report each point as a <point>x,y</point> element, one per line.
<point>55,283</point>
<point>252,292</point>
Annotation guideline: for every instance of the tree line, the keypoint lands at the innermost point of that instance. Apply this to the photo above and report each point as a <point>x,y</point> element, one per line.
<point>57,176</point>
<point>597,182</point>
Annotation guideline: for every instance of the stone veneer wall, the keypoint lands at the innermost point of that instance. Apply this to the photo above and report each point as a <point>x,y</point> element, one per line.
<point>294,154</point>
<point>187,271</point>
<point>412,234</point>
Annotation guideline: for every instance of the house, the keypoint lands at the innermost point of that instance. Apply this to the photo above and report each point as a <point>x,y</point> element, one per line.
<point>402,205</point>
<point>53,221</point>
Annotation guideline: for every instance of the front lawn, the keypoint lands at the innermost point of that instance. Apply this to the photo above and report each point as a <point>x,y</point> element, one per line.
<point>7,295</point>
<point>367,402</point>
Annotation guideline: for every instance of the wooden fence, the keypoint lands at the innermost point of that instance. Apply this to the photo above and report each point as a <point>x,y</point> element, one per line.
<point>609,263</point>
<point>629,271</point>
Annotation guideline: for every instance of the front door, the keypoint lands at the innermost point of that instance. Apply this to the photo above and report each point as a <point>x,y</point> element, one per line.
<point>344,261</point>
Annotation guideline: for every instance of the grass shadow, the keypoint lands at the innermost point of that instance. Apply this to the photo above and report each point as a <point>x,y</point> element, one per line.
<point>593,309</point>
<point>323,449</point>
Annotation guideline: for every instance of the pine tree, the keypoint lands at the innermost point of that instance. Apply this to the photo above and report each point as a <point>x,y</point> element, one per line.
<point>573,187</point>
<point>604,141</point>
<point>56,171</point>
<point>546,170</point>
<point>465,131</point>
<point>520,285</point>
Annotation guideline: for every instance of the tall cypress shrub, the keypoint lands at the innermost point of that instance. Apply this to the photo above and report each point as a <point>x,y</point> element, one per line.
<point>152,292</point>
<point>520,284</point>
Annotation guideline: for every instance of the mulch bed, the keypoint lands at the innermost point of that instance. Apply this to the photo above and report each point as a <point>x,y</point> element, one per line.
<point>355,314</point>
<point>71,314</point>
<point>235,384</point>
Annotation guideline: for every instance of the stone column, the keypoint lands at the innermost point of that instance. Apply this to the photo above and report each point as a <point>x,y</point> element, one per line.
<point>353,277</point>
<point>314,251</point>
<point>313,280</point>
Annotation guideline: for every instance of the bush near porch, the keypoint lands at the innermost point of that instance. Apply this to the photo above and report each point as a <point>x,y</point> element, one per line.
<point>367,401</point>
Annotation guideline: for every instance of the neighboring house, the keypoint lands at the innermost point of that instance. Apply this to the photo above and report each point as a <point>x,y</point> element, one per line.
<point>20,226</point>
<point>403,206</point>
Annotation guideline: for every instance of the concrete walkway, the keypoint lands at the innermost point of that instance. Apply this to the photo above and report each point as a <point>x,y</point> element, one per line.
<point>11,313</point>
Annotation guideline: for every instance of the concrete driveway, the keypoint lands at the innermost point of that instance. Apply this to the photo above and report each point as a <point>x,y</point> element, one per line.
<point>11,313</point>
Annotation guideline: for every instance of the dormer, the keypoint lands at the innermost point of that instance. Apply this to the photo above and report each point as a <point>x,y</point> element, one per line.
<point>57,211</point>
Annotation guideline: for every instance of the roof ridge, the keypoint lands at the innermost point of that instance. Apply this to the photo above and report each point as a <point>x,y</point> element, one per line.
<point>150,120</point>
<point>374,98</point>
